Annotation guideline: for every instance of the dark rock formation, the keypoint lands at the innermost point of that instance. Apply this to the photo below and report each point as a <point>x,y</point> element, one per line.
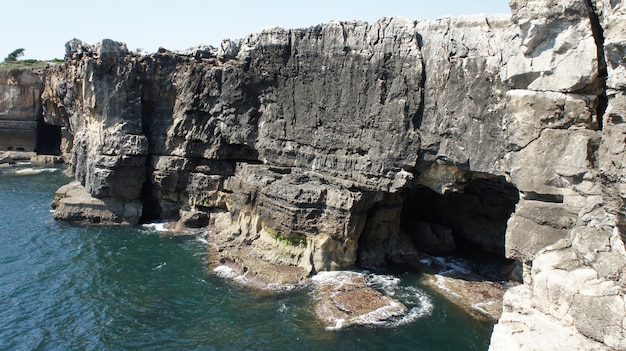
<point>349,143</point>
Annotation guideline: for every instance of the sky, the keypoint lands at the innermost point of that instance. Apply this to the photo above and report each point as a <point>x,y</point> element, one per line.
<point>43,27</point>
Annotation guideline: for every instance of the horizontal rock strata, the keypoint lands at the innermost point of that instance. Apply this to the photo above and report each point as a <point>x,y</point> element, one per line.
<point>20,108</point>
<point>321,149</point>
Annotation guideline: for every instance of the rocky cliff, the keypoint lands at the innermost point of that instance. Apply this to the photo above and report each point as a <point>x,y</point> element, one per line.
<point>20,108</point>
<point>362,144</point>
<point>22,129</point>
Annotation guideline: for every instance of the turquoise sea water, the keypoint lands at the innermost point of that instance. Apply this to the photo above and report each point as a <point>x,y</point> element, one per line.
<point>70,287</point>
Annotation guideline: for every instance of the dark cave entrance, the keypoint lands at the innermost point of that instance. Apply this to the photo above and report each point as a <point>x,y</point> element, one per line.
<point>469,223</point>
<point>48,138</point>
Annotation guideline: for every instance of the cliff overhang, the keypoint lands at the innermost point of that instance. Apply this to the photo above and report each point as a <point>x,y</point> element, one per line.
<point>364,144</point>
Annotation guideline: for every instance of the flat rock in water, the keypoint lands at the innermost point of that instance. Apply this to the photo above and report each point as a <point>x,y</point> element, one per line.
<point>480,298</point>
<point>346,299</point>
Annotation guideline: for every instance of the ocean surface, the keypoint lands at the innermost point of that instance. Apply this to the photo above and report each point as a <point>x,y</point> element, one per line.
<point>73,287</point>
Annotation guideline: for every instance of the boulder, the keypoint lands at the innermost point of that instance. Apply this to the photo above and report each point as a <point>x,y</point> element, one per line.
<point>74,204</point>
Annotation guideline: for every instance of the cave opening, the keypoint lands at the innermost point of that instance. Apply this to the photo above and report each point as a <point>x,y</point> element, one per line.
<point>48,138</point>
<point>151,211</point>
<point>468,223</point>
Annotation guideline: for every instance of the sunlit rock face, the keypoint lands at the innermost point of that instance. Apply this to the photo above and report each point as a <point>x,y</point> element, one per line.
<point>365,144</point>
<point>568,163</point>
<point>20,108</point>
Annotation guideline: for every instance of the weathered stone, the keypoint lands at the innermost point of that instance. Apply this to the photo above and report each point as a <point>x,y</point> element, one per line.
<point>559,162</point>
<point>46,159</point>
<point>479,297</point>
<point>464,98</point>
<point>20,108</point>
<point>347,300</point>
<point>110,49</point>
<point>73,203</point>
<point>529,112</point>
<point>12,156</point>
<point>519,319</point>
<point>194,219</point>
<point>598,313</point>
<point>535,225</point>
<point>312,149</point>
<point>552,43</point>
<point>612,21</point>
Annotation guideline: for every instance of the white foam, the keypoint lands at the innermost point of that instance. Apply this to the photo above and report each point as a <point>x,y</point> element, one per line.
<point>34,171</point>
<point>225,272</point>
<point>339,323</point>
<point>276,287</point>
<point>157,226</point>
<point>453,264</point>
<point>380,316</point>
<point>202,240</point>
<point>442,285</point>
<point>417,301</point>
<point>480,306</point>
<point>230,273</point>
<point>387,283</point>
<point>427,261</point>
<point>337,278</point>
<point>159,266</point>
<point>283,308</point>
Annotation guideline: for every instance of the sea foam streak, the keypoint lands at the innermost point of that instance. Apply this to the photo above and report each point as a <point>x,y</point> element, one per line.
<point>34,171</point>
<point>157,226</point>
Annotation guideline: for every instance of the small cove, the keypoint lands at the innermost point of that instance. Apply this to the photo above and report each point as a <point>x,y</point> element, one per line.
<point>74,287</point>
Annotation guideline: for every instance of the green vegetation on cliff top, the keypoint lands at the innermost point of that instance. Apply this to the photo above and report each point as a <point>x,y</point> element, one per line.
<point>23,64</point>
<point>12,61</point>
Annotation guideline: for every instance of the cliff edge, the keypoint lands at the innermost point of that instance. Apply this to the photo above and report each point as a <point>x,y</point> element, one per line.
<point>353,144</point>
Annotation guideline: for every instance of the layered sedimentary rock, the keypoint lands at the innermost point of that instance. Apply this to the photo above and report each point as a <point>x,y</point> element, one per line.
<point>569,165</point>
<point>361,144</point>
<point>20,108</point>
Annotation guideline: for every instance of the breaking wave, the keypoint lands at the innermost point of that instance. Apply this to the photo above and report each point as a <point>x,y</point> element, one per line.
<point>157,226</point>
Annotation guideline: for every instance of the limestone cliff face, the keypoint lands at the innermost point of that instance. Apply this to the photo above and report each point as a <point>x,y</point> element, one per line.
<point>361,144</point>
<point>20,108</point>
<point>568,228</point>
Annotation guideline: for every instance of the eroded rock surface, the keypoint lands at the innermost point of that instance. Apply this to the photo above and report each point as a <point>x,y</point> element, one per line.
<point>347,300</point>
<point>311,149</point>
<point>568,228</point>
<point>20,108</point>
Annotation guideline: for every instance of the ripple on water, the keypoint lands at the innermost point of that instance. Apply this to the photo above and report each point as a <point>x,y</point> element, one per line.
<point>112,288</point>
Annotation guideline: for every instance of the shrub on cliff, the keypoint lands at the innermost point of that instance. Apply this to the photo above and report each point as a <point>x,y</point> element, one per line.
<point>12,61</point>
<point>12,57</point>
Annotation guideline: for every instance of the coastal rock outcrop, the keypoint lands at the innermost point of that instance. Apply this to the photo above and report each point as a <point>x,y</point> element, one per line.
<point>568,228</point>
<point>22,127</point>
<point>20,108</point>
<point>353,144</point>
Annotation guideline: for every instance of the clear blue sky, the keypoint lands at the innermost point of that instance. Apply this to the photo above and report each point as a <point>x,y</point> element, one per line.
<point>42,27</point>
